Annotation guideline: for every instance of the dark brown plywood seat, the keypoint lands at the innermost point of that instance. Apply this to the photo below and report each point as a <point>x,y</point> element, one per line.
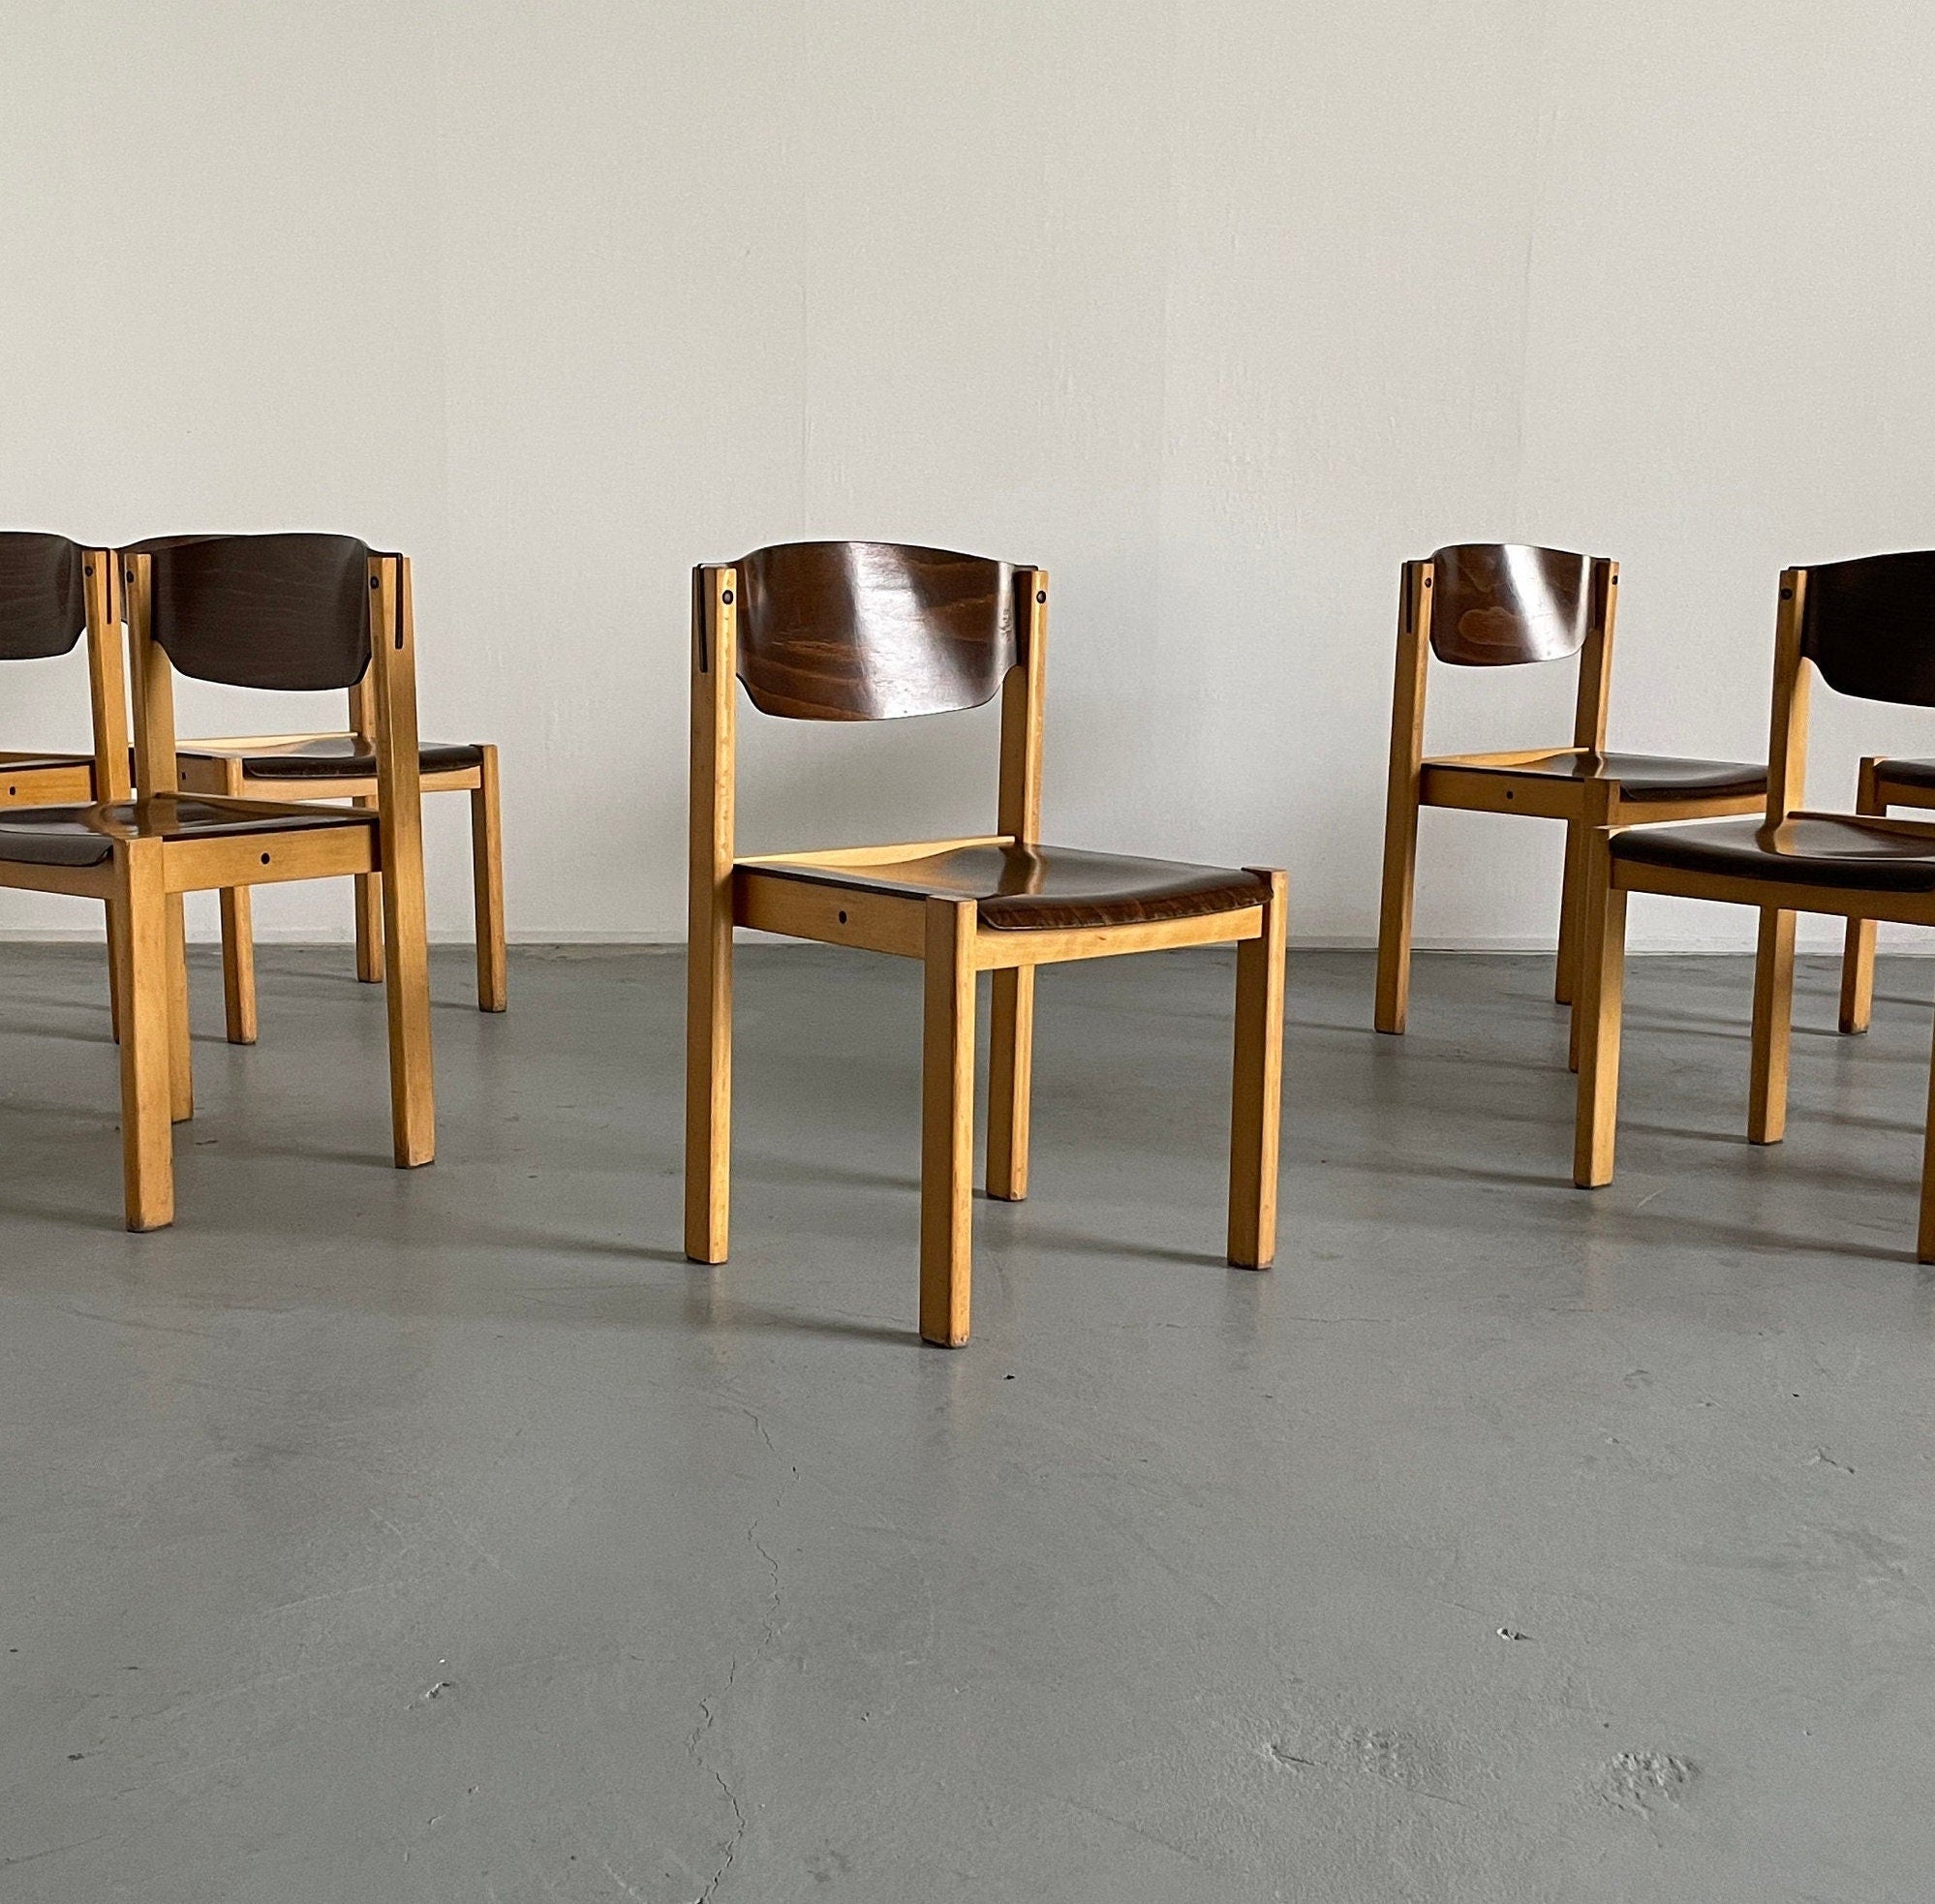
<point>1908,773</point>
<point>343,756</point>
<point>40,763</point>
<point>86,836</point>
<point>1050,888</point>
<point>1817,850</point>
<point>1641,776</point>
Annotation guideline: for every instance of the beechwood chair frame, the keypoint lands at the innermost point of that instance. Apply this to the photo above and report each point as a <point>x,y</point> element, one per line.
<point>1462,781</point>
<point>148,874</point>
<point>1608,882</point>
<point>727,891</point>
<point>1876,790</point>
<point>216,767</point>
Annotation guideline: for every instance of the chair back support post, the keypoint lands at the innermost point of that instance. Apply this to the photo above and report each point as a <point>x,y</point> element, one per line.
<point>1408,695</point>
<point>1595,660</point>
<point>1792,677</point>
<point>153,681</point>
<point>107,675</point>
<point>393,672</point>
<point>713,749</point>
<point>362,707</point>
<point>1024,693</point>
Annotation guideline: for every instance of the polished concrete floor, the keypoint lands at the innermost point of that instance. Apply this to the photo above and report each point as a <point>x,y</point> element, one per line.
<point>448,1537</point>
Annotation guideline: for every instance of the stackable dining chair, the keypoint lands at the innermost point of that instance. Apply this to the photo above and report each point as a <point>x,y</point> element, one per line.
<point>1493,604</point>
<point>342,765</point>
<point>1884,784</point>
<point>1867,627</point>
<point>48,584</point>
<point>251,611</point>
<point>874,631</point>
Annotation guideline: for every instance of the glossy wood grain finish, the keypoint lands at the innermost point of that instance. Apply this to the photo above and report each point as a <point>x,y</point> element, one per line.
<point>1846,851</point>
<point>1035,888</point>
<point>86,836</point>
<point>43,609</point>
<point>872,630</point>
<point>288,612</point>
<point>1496,605</point>
<point>1870,626</point>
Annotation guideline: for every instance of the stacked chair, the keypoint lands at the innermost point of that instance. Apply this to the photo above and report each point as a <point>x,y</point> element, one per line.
<point>1867,627</point>
<point>875,632</point>
<point>295,611</point>
<point>1492,604</point>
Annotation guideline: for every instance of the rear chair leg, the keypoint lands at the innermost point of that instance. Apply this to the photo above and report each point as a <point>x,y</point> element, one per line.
<point>238,965</point>
<point>1256,1088</point>
<point>369,915</point>
<point>1393,916</point>
<point>181,1057</point>
<point>138,927</point>
<point>1857,957</point>
<point>1924,1246</point>
<point>947,1124</point>
<point>1773,1027</point>
<point>413,1091</point>
<point>487,867</point>
<point>1010,1082</point>
<point>1565,985</point>
<point>1597,1010</point>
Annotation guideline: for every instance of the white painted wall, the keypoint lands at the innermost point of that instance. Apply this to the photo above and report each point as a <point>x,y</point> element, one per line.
<point>1217,309</point>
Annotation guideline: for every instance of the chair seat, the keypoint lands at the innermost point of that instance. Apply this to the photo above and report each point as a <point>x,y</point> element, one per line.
<point>1640,775</point>
<point>86,836</point>
<point>1908,773</point>
<point>1048,888</point>
<point>1839,852</point>
<point>333,756</point>
<point>41,764</point>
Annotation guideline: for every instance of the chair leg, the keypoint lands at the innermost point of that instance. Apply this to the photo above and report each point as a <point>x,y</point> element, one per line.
<point>1773,1027</point>
<point>137,926</point>
<point>238,965</point>
<point>1010,1081</point>
<point>369,917</point>
<point>181,1056</point>
<point>1924,1246</point>
<point>1597,1011</point>
<point>1256,1089</point>
<point>1857,956</point>
<point>117,982</point>
<point>1565,984</point>
<point>1393,916</point>
<point>947,1124</point>
<point>487,867</point>
<point>413,1091</point>
<point>709,1086</point>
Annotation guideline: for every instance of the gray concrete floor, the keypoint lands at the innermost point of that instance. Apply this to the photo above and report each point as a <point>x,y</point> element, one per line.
<point>448,1537</point>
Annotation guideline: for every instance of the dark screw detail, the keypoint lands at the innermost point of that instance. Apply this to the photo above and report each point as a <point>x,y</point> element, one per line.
<point>842,918</point>
<point>1787,595</point>
<point>725,594</point>
<point>372,581</point>
<point>88,569</point>
<point>266,859</point>
<point>1041,595</point>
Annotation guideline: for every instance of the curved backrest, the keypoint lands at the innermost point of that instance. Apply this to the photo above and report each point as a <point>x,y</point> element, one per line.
<point>872,630</point>
<point>43,601</point>
<point>1870,626</point>
<point>283,611</point>
<point>1495,605</point>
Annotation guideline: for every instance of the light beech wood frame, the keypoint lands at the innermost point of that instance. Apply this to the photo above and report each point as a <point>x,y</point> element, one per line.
<point>215,766</point>
<point>151,868</point>
<point>1610,881</point>
<point>1475,782</point>
<point>945,933</point>
<point>1876,791</point>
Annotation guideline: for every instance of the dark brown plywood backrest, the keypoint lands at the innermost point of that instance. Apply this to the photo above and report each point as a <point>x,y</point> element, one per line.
<point>43,602</point>
<point>1870,626</point>
<point>1495,605</point>
<point>283,611</point>
<point>872,630</point>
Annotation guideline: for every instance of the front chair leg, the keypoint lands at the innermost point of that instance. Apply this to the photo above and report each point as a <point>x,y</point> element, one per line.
<point>1256,1088</point>
<point>1010,1082</point>
<point>947,1124</point>
<point>412,1098</point>
<point>1602,982</point>
<point>137,928</point>
<point>1565,984</point>
<point>1773,1027</point>
<point>487,869</point>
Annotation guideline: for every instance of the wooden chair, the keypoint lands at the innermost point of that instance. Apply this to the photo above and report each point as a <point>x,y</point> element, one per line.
<point>1867,627</point>
<point>1882,783</point>
<point>343,766</point>
<point>1488,604</point>
<point>874,631</point>
<point>252,611</point>
<point>46,584</point>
